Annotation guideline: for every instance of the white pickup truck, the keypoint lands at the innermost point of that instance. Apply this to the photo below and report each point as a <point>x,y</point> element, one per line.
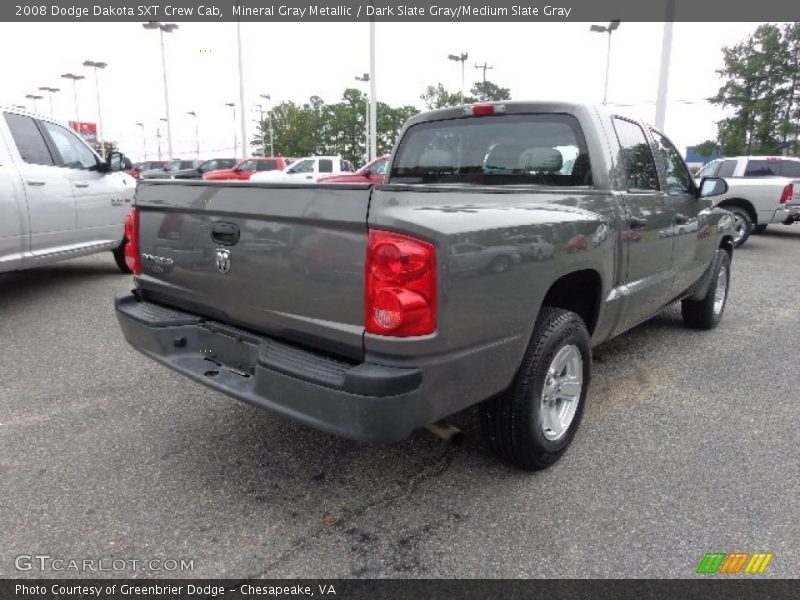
<point>58,199</point>
<point>761,190</point>
<point>307,170</point>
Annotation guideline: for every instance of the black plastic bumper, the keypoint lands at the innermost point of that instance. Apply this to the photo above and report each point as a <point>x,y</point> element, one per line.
<point>362,401</point>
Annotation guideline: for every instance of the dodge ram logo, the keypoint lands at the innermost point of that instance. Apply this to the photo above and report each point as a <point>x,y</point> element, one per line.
<point>223,260</point>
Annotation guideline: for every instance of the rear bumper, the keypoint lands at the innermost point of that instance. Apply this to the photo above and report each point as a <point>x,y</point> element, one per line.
<point>363,401</point>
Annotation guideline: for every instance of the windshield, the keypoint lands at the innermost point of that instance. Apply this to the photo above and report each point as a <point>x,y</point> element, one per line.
<point>544,149</point>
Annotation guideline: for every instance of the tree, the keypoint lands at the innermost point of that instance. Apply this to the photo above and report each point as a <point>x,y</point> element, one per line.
<point>438,97</point>
<point>760,90</point>
<point>110,147</point>
<point>707,148</point>
<point>486,90</point>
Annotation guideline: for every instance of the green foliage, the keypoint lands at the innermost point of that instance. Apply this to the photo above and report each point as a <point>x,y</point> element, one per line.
<point>707,148</point>
<point>336,129</point>
<point>761,90</point>
<point>319,128</point>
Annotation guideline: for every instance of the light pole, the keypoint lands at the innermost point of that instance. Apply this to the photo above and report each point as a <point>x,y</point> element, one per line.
<point>158,141</point>
<point>196,132</point>
<point>242,118</point>
<point>484,67</point>
<point>365,79</point>
<point>50,91</point>
<point>98,66</point>
<point>268,98</point>
<point>35,98</point>
<point>373,96</point>
<point>235,141</point>
<point>663,75</point>
<point>75,79</point>
<point>164,28</point>
<point>462,58</point>
<point>260,122</point>
<point>609,29</point>
<point>144,142</point>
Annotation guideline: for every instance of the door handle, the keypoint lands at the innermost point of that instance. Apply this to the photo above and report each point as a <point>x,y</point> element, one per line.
<point>681,219</point>
<point>35,182</point>
<point>637,222</point>
<point>81,184</point>
<point>226,234</point>
<point>309,177</point>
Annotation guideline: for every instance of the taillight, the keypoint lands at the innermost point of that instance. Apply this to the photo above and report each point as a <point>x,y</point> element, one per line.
<point>132,247</point>
<point>400,285</point>
<point>787,194</point>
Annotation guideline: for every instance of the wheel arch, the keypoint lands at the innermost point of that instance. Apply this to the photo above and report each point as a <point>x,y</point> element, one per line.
<point>742,203</point>
<point>580,292</point>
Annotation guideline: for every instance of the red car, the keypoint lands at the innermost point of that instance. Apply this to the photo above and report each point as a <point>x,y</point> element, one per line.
<point>373,172</point>
<point>244,169</point>
<point>136,170</point>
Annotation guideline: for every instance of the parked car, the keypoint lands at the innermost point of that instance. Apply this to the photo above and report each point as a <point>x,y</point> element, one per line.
<point>58,198</point>
<point>243,170</point>
<point>307,170</point>
<point>149,165</point>
<point>372,172</point>
<point>762,190</point>
<point>380,339</point>
<point>475,258</point>
<point>204,167</point>
<point>168,170</point>
<point>534,247</point>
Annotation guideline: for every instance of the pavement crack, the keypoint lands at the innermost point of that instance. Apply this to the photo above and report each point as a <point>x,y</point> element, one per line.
<point>400,491</point>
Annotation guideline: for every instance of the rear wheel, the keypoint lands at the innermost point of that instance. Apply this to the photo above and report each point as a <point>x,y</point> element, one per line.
<point>707,313</point>
<point>742,224</point>
<point>119,256</point>
<point>533,422</point>
<point>758,229</point>
<point>501,264</point>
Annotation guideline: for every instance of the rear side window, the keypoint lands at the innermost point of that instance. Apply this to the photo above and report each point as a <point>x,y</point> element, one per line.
<point>762,168</point>
<point>637,156</point>
<point>30,143</point>
<point>790,168</point>
<point>266,165</point>
<point>325,165</point>
<point>727,168</point>
<point>538,149</point>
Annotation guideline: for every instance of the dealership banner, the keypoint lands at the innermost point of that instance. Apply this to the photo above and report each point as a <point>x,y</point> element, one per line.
<point>453,11</point>
<point>416,589</point>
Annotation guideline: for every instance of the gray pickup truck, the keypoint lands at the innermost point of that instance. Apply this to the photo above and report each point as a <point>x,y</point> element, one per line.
<point>342,306</point>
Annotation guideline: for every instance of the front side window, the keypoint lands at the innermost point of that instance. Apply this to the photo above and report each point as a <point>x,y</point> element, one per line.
<point>248,165</point>
<point>175,165</point>
<point>379,168</point>
<point>30,143</point>
<point>495,150</point>
<point>74,153</point>
<point>678,176</point>
<point>727,168</point>
<point>303,166</point>
<point>637,156</point>
<point>710,170</point>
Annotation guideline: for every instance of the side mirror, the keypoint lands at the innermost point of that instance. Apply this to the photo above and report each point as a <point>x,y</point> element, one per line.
<point>712,186</point>
<point>115,161</point>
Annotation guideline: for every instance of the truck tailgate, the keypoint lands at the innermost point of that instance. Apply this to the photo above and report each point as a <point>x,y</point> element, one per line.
<point>283,260</point>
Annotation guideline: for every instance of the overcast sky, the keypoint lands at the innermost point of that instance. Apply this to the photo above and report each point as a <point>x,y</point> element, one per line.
<point>292,61</point>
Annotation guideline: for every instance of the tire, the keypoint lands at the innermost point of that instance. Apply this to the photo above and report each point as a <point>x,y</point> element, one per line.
<point>520,426</point>
<point>742,224</point>
<point>119,257</point>
<point>707,313</point>
<point>758,229</point>
<point>501,264</point>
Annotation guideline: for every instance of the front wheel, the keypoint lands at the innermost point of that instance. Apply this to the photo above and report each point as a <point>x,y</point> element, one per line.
<point>533,422</point>
<point>707,313</point>
<point>119,256</point>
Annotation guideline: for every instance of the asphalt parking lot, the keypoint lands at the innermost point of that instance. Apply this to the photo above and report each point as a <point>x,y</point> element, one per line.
<point>689,445</point>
